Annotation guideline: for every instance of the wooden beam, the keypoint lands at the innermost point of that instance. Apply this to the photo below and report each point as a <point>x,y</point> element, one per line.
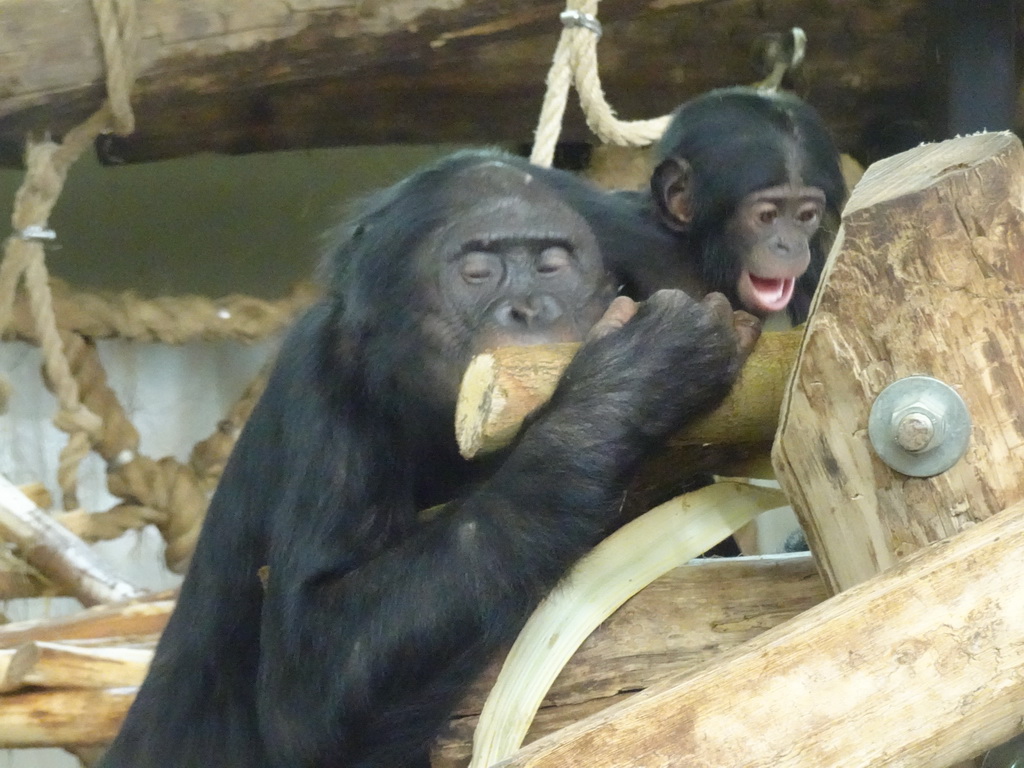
<point>263,75</point>
<point>926,277</point>
<point>921,666</point>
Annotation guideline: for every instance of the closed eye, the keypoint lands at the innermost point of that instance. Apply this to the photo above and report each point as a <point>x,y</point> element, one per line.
<point>477,267</point>
<point>553,260</point>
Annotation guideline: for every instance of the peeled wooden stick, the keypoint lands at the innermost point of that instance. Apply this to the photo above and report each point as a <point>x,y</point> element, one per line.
<point>55,665</point>
<point>502,387</point>
<point>56,552</point>
<point>141,619</point>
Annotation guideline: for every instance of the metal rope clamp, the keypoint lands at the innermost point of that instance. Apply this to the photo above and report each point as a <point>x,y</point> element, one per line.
<point>571,19</point>
<point>36,233</point>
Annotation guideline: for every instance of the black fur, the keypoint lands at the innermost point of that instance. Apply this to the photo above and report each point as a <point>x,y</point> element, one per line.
<point>372,623</point>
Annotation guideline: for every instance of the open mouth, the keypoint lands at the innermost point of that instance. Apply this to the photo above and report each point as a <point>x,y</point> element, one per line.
<point>765,294</point>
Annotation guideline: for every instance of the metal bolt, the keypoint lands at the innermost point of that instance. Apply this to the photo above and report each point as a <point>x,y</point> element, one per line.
<point>915,432</point>
<point>919,426</point>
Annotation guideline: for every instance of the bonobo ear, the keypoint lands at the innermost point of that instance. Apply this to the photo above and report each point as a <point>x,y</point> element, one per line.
<point>672,190</point>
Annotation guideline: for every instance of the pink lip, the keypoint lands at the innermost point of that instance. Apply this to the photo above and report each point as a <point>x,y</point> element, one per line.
<point>765,294</point>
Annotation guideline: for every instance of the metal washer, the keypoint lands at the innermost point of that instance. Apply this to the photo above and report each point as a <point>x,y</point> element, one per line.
<point>935,397</point>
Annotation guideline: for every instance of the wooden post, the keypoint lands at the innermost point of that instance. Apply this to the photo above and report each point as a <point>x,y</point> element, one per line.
<point>926,277</point>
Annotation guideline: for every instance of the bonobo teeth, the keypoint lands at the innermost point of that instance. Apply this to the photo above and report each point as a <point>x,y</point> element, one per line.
<point>765,294</point>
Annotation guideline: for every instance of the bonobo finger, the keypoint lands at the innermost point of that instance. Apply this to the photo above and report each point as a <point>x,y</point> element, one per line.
<point>720,306</point>
<point>619,312</point>
<point>748,331</point>
<point>667,299</point>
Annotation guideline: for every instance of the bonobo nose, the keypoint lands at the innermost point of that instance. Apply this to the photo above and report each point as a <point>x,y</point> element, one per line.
<point>527,312</point>
<point>781,246</point>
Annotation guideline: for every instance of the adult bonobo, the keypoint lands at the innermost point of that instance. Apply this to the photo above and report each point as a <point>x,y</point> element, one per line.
<point>373,621</point>
<point>743,182</point>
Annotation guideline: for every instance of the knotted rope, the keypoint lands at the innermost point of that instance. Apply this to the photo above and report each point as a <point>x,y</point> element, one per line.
<point>47,165</point>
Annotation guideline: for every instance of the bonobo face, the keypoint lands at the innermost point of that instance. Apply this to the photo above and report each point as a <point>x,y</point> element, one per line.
<point>771,233</point>
<point>514,266</point>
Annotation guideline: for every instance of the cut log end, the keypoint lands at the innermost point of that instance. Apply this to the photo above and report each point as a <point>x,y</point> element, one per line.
<point>477,393</point>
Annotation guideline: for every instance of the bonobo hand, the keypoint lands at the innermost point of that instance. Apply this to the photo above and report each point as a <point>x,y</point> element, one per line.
<point>674,360</point>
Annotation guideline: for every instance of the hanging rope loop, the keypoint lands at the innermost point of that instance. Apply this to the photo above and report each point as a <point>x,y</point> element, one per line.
<point>575,63</point>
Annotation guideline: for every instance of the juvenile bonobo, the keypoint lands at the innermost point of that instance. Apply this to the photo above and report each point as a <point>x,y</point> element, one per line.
<point>372,621</point>
<point>744,180</point>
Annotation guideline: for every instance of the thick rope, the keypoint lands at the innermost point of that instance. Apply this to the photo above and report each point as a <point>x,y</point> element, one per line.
<point>166,493</point>
<point>575,61</point>
<point>165,319</point>
<point>47,165</point>
<point>552,111</point>
<point>118,23</point>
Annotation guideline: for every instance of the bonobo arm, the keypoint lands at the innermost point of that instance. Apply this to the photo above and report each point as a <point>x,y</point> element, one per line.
<point>361,668</point>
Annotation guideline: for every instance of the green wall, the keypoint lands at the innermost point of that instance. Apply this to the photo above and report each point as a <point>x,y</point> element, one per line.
<point>208,224</point>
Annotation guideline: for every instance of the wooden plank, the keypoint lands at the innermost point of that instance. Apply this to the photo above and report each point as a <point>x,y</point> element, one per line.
<point>262,75</point>
<point>919,667</point>
<point>926,277</point>
<point>56,552</point>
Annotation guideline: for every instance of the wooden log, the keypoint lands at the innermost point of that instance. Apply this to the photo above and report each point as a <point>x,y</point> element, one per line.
<point>56,552</point>
<point>55,665</point>
<point>262,75</point>
<point>926,277</point>
<point>935,645</point>
<point>132,621</point>
<point>62,718</point>
<point>500,388</point>
<point>677,624</point>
